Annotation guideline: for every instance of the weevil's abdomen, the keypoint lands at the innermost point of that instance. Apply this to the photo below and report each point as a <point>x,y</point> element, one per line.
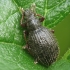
<point>43,46</point>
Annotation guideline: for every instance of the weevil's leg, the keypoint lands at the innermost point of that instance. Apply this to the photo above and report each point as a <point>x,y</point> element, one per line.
<point>25,34</point>
<point>52,31</point>
<point>36,61</point>
<point>41,17</point>
<point>23,25</point>
<point>32,8</point>
<point>22,10</point>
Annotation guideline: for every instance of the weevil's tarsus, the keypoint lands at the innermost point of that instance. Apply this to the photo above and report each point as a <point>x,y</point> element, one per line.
<point>52,31</point>
<point>35,62</point>
<point>24,47</point>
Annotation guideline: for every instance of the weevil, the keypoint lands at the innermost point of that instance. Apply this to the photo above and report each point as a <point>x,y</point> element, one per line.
<point>40,41</point>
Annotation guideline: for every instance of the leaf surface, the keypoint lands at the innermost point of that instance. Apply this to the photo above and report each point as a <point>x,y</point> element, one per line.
<point>12,57</point>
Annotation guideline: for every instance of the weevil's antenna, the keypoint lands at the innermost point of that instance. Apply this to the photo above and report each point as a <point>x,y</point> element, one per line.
<point>33,7</point>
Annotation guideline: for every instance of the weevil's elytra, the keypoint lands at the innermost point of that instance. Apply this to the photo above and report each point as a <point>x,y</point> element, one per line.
<point>41,42</point>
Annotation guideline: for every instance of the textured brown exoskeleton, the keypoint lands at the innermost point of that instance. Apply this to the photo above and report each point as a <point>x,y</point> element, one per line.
<point>40,41</point>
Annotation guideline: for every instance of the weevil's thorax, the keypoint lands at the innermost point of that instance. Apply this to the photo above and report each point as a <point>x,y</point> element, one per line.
<point>33,22</point>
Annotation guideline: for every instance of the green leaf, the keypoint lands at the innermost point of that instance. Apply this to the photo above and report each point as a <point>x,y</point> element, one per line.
<point>12,57</point>
<point>63,64</point>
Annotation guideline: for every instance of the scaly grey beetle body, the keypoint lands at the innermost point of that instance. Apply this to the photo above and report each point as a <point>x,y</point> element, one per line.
<point>40,41</point>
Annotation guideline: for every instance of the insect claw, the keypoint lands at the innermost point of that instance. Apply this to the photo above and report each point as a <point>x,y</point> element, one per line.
<point>35,62</point>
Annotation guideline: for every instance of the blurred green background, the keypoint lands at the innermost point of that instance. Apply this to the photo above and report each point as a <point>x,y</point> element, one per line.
<point>62,32</point>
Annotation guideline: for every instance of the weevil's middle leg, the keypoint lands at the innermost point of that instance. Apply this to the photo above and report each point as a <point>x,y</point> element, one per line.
<point>32,8</point>
<point>23,25</point>
<point>25,34</point>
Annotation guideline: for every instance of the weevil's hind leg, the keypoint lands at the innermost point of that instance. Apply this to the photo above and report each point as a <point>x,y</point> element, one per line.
<point>41,19</point>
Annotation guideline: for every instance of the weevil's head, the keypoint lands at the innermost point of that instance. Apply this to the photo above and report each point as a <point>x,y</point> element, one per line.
<point>30,11</point>
<point>27,13</point>
<point>30,18</point>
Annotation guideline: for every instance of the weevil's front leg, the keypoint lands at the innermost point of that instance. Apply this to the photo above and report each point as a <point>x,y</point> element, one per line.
<point>22,24</point>
<point>41,17</point>
<point>33,7</point>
